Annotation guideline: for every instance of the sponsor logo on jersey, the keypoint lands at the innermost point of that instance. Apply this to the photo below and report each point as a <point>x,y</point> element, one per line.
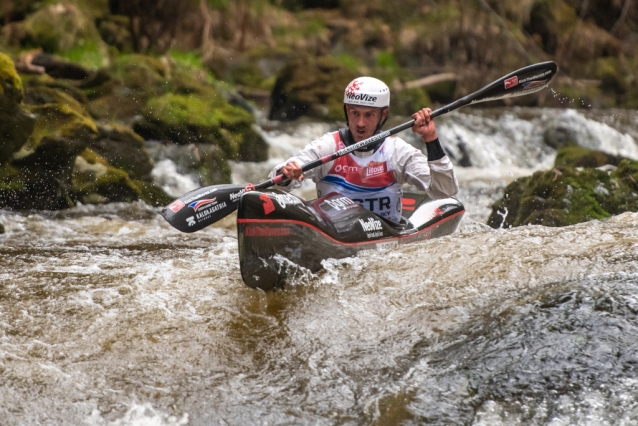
<point>511,82</point>
<point>373,169</point>
<point>197,205</point>
<point>371,224</point>
<point>176,206</point>
<point>346,169</point>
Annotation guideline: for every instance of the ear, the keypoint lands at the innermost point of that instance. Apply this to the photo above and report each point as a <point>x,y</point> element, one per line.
<point>384,114</point>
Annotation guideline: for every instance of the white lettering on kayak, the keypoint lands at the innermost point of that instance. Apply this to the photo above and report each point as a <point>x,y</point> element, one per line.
<point>371,225</point>
<point>284,199</point>
<point>342,203</point>
<point>372,235</point>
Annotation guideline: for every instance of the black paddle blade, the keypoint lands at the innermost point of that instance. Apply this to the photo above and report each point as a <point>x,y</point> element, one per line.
<point>197,209</point>
<point>522,82</point>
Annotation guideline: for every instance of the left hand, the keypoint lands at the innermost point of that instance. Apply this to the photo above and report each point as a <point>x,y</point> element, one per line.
<point>424,125</point>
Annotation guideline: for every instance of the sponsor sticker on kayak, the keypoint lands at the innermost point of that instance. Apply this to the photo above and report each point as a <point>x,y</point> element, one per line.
<point>387,245</point>
<point>341,203</point>
<point>371,224</point>
<point>265,231</point>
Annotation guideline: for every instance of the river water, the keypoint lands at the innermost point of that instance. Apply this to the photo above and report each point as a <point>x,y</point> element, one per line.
<point>108,316</point>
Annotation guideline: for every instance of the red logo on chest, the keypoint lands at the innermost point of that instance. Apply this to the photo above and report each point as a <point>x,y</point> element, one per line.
<point>373,169</point>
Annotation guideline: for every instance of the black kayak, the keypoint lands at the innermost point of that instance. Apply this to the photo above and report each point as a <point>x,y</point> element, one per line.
<point>276,229</point>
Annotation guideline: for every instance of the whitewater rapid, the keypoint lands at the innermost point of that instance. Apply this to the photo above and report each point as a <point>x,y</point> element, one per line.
<point>108,316</point>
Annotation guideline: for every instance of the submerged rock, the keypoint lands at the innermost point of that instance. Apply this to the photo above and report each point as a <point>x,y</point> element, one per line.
<point>567,195</point>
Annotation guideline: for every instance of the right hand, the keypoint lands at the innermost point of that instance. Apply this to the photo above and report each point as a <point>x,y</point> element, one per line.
<point>292,170</point>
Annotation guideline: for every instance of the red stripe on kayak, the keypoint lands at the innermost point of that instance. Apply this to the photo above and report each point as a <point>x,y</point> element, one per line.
<point>408,208</point>
<point>297,222</point>
<point>408,201</point>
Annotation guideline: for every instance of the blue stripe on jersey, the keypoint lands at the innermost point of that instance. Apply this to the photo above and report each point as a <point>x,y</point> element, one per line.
<point>337,180</point>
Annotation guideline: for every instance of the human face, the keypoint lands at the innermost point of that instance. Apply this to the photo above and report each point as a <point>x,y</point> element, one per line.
<point>363,120</point>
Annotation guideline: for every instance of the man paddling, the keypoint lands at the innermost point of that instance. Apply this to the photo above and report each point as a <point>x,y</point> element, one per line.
<point>373,176</point>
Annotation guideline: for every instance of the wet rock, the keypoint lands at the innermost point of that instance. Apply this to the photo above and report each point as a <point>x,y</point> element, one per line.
<point>40,172</point>
<point>1,229</point>
<point>16,122</point>
<point>559,136</point>
<point>566,196</point>
<point>123,149</point>
<point>187,119</point>
<point>59,68</point>
<point>66,30</point>
<point>95,181</point>
<point>310,86</point>
<point>576,156</point>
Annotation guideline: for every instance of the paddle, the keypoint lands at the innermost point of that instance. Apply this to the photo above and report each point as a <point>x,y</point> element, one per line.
<point>197,209</point>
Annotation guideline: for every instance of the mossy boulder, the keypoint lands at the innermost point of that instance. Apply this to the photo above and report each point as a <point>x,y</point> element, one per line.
<point>577,156</point>
<point>123,149</point>
<point>66,30</point>
<point>186,119</point>
<point>311,86</point>
<point>40,172</point>
<point>95,181</point>
<point>566,196</point>
<point>16,122</point>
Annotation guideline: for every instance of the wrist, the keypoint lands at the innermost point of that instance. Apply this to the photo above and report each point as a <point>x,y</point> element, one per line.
<point>429,138</point>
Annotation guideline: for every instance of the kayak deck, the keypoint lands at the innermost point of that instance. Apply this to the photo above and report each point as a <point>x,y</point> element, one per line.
<point>274,226</point>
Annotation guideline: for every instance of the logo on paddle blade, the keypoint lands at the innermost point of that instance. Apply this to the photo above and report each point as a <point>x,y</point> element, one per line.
<point>511,82</point>
<point>534,83</point>
<point>197,205</point>
<point>176,206</point>
<point>191,221</point>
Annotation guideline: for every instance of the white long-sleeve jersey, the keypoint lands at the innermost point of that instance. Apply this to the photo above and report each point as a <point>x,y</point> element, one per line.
<point>410,165</point>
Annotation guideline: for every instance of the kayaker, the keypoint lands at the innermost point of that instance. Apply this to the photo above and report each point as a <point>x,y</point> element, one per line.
<point>373,176</point>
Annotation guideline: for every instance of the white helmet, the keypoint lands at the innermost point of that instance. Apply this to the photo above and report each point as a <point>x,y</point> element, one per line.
<point>367,91</point>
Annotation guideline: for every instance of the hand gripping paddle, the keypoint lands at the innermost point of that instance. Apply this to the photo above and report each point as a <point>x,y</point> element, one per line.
<point>197,209</point>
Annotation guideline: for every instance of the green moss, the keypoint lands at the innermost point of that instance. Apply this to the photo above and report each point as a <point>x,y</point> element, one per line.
<point>94,180</point>
<point>8,179</point>
<point>566,196</point>
<point>11,90</point>
<point>57,120</point>
<point>577,156</point>
<point>67,31</point>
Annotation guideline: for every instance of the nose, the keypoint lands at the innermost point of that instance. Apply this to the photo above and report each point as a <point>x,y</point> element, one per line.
<point>360,121</point>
